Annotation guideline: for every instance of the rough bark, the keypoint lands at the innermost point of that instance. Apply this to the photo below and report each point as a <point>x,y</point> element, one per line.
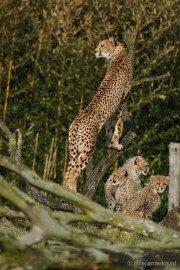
<point>172,219</point>
<point>174,175</point>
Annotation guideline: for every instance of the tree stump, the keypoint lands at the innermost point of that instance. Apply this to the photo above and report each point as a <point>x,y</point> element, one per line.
<point>172,219</point>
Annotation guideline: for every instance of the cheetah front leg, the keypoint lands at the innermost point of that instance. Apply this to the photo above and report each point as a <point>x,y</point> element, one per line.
<point>75,169</point>
<point>151,206</point>
<point>114,143</point>
<point>109,130</point>
<point>111,204</point>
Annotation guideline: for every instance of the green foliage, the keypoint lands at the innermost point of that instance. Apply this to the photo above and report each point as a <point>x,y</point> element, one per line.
<point>47,61</point>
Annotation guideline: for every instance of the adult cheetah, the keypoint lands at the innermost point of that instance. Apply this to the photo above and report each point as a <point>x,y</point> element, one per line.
<point>109,100</point>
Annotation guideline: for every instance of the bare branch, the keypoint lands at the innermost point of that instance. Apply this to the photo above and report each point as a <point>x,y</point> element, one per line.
<point>14,144</point>
<point>5,129</point>
<point>130,45</point>
<point>7,212</point>
<point>50,202</point>
<point>152,79</point>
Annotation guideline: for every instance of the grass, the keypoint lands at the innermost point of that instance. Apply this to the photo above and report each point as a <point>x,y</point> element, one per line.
<point>116,234</point>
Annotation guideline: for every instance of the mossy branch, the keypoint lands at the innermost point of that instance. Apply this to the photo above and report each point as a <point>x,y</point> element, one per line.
<point>48,225</point>
<point>94,211</point>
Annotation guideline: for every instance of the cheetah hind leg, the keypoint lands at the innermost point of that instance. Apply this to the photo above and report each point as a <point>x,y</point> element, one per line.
<point>73,172</point>
<point>76,168</point>
<point>71,178</point>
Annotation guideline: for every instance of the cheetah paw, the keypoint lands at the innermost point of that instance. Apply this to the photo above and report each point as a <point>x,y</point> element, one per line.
<point>115,146</point>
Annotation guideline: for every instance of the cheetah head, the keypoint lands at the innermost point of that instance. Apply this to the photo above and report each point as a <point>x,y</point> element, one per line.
<point>105,48</point>
<point>120,177</point>
<point>141,165</point>
<point>159,183</point>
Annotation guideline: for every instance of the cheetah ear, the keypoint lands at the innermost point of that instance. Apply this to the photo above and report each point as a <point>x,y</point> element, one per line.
<point>136,161</point>
<point>126,174</point>
<point>151,178</point>
<point>114,43</point>
<point>167,178</point>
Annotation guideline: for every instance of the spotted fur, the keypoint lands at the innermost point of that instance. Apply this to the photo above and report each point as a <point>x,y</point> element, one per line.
<point>116,179</point>
<point>109,99</point>
<point>124,181</point>
<point>135,167</point>
<point>134,214</point>
<point>147,200</point>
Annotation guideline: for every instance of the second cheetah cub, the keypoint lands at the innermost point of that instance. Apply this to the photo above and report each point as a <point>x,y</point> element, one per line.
<point>124,181</point>
<point>135,167</point>
<point>116,179</point>
<point>147,200</point>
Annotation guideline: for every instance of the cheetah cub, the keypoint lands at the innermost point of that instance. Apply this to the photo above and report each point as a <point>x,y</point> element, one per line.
<point>116,179</point>
<point>135,167</point>
<point>147,200</point>
<point>108,101</point>
<point>124,181</point>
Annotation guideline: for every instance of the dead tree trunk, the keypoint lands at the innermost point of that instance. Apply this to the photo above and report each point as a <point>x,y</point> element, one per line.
<point>174,173</point>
